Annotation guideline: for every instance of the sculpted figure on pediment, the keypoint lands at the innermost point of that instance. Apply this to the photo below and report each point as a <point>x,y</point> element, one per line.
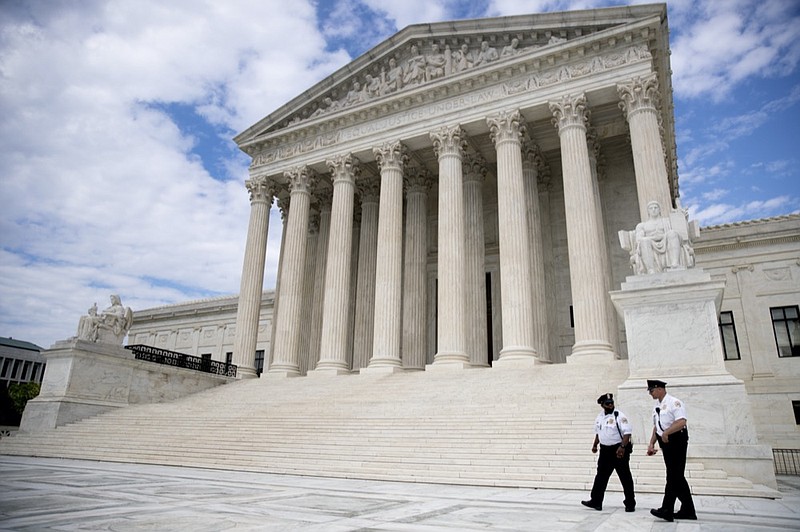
<point>436,63</point>
<point>393,78</point>
<point>511,49</point>
<point>372,86</point>
<point>414,72</point>
<point>328,105</point>
<point>463,58</point>
<point>487,54</point>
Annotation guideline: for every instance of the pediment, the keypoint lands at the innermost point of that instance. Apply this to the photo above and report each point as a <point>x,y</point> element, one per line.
<point>425,56</point>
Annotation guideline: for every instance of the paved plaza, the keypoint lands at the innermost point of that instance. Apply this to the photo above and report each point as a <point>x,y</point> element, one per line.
<point>52,494</point>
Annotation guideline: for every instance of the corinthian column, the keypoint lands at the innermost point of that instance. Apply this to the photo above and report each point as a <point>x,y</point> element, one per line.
<point>585,261</point>
<point>308,290</point>
<point>639,103</point>
<point>530,176</point>
<point>335,315</point>
<point>448,144</point>
<point>283,206</point>
<point>505,129</point>
<point>287,330</point>
<point>324,196</point>
<point>365,286</point>
<point>247,314</point>
<point>415,270</point>
<point>391,158</point>
<point>475,274</point>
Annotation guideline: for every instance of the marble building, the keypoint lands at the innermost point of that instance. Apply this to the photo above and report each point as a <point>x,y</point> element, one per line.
<point>453,197</point>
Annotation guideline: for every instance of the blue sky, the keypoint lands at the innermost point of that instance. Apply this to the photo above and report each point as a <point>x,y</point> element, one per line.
<point>118,173</point>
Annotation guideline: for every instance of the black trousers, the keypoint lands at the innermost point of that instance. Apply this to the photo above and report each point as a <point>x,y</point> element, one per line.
<point>606,463</point>
<point>674,453</point>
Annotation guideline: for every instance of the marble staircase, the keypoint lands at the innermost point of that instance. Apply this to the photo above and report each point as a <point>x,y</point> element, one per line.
<point>527,427</point>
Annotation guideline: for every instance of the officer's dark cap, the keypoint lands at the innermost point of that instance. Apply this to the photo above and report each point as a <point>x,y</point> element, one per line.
<point>655,384</point>
<point>605,398</point>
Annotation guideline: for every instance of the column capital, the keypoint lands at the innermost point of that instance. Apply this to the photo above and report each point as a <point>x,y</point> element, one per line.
<point>449,140</point>
<point>283,206</point>
<point>506,126</point>
<point>417,180</point>
<point>262,189</point>
<point>324,198</point>
<point>313,221</point>
<point>369,189</point>
<point>639,94</point>
<point>392,154</point>
<point>570,111</point>
<point>302,179</point>
<point>344,168</point>
<point>474,167</point>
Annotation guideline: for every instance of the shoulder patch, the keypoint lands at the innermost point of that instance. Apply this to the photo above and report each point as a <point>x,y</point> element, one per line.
<point>677,404</point>
<point>623,420</point>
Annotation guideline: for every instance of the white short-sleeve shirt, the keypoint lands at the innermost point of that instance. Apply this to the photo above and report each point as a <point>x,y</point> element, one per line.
<point>605,426</point>
<point>670,409</point>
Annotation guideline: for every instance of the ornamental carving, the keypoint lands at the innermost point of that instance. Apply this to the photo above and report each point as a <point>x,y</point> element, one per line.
<point>262,189</point>
<point>344,168</point>
<point>641,93</point>
<point>474,167</point>
<point>417,180</point>
<point>301,179</point>
<point>369,189</point>
<point>392,155</point>
<point>506,126</point>
<point>570,111</point>
<point>449,140</point>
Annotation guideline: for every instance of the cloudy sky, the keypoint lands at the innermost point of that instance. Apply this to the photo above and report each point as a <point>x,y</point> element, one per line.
<point>118,173</point>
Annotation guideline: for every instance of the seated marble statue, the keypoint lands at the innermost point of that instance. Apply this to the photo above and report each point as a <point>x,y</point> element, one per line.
<point>660,243</point>
<point>110,326</point>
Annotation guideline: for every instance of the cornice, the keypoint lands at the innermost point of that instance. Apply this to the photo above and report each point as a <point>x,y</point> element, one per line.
<point>536,58</point>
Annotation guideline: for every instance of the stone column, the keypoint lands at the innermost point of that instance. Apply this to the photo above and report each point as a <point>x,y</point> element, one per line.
<point>595,163</point>
<point>506,129</point>
<point>247,314</point>
<point>585,262</point>
<point>475,275</point>
<point>639,102</point>
<point>308,290</point>
<point>351,299</point>
<point>544,182</point>
<point>391,158</point>
<point>283,206</point>
<point>365,288</point>
<point>448,144</point>
<point>530,176</point>
<point>286,359</point>
<point>335,316</point>
<point>324,196</point>
<point>415,270</point>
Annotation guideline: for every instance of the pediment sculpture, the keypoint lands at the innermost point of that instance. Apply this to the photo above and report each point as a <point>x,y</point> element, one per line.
<point>660,243</point>
<point>109,326</point>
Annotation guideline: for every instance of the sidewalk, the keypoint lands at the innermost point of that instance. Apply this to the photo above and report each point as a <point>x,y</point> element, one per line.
<point>50,494</point>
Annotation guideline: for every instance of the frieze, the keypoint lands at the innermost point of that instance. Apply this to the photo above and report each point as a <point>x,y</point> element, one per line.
<point>537,79</point>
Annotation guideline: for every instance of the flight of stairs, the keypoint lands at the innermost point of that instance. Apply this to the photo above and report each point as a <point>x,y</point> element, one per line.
<point>494,427</point>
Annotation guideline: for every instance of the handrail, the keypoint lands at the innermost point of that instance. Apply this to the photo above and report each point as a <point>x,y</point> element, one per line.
<point>181,360</point>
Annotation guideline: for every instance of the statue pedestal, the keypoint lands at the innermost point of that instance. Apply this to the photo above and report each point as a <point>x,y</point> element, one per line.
<point>81,379</point>
<point>673,335</point>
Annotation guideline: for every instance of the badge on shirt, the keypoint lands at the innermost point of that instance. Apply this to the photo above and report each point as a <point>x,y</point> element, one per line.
<point>677,404</point>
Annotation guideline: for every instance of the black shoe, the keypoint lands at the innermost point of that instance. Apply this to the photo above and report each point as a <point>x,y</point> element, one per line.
<point>592,504</point>
<point>630,508</point>
<point>690,516</point>
<point>662,514</point>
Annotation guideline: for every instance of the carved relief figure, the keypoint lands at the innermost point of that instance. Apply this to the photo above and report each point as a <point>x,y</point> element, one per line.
<point>435,64</point>
<point>372,86</point>
<point>414,72</point>
<point>486,55</point>
<point>463,58</point>
<point>511,49</point>
<point>110,326</point>
<point>393,80</point>
<point>660,243</point>
<point>355,95</point>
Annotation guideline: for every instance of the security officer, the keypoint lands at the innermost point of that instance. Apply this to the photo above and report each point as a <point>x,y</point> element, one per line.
<point>613,433</point>
<point>672,434</point>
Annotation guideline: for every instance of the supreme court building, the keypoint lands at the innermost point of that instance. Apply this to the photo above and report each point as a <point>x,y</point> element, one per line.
<point>453,197</point>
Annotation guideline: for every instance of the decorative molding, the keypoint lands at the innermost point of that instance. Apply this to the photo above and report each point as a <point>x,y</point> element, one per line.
<point>570,111</point>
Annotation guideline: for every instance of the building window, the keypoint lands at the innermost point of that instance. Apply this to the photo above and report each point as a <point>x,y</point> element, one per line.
<point>6,367</point>
<point>259,361</point>
<point>229,357</point>
<point>727,330</point>
<point>796,408</point>
<point>786,324</point>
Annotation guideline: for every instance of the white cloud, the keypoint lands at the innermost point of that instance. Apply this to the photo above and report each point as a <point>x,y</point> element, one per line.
<point>720,213</point>
<point>100,191</point>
